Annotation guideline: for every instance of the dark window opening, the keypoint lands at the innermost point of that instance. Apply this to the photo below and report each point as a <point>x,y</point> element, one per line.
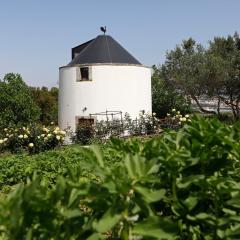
<point>87,121</point>
<point>84,73</point>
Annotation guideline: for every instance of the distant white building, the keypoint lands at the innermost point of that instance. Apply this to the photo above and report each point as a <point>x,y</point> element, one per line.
<point>102,76</point>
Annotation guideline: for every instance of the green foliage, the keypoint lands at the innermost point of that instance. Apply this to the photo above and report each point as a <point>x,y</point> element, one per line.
<point>16,102</point>
<point>34,138</point>
<point>165,97</point>
<point>211,73</point>
<point>226,51</point>
<point>145,124</point>
<point>183,185</point>
<point>84,133</point>
<point>49,165</point>
<point>47,100</point>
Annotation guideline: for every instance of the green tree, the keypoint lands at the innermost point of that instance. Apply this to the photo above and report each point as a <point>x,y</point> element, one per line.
<point>16,102</point>
<point>47,101</point>
<point>165,97</point>
<point>185,68</point>
<point>227,53</point>
<point>212,73</point>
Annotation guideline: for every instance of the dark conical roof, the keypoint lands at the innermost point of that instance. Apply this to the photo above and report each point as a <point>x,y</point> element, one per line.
<point>102,49</point>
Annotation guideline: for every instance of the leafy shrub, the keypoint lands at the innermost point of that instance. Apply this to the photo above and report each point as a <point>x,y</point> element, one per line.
<point>165,96</point>
<point>175,120</point>
<point>106,129</point>
<point>184,185</point>
<point>84,134</point>
<point>34,138</point>
<point>145,124</point>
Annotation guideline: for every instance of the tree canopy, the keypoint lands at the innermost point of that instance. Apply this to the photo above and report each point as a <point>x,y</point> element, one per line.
<point>165,97</point>
<point>16,102</point>
<point>212,72</point>
<point>47,101</point>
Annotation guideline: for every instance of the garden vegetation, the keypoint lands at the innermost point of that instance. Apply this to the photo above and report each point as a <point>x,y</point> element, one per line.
<point>181,185</point>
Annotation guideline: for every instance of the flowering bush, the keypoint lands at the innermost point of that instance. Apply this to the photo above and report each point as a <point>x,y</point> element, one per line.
<point>146,123</point>
<point>176,120</point>
<point>33,138</point>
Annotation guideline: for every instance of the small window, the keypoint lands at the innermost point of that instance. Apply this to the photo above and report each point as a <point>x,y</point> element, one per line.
<point>84,74</point>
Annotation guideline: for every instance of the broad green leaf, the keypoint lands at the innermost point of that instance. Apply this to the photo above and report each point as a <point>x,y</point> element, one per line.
<point>235,202</point>
<point>74,195</point>
<point>107,221</point>
<point>150,195</point>
<point>191,202</point>
<point>229,211</point>
<point>157,227</point>
<point>99,155</point>
<point>189,180</point>
<point>129,166</point>
<point>72,213</point>
<point>179,137</point>
<point>95,236</point>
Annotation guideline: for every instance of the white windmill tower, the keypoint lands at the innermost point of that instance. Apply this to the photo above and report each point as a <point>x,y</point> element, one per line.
<point>102,76</point>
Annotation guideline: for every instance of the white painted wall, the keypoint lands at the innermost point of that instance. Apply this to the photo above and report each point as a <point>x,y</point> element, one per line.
<point>113,88</point>
<point>66,103</point>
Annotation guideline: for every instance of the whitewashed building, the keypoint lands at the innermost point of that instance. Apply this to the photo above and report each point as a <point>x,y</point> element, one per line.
<point>102,76</point>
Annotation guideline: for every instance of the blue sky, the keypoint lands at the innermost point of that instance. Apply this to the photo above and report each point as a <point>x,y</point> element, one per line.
<point>36,37</point>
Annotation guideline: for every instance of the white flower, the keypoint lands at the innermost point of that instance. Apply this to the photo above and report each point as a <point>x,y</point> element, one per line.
<point>42,135</point>
<point>49,135</point>
<point>25,136</point>
<point>30,145</point>
<point>57,129</point>
<point>52,123</point>
<point>58,137</point>
<point>1,141</point>
<point>183,119</point>
<point>173,110</point>
<point>63,132</point>
<point>154,114</point>
<point>45,130</point>
<point>5,129</point>
<point>20,136</point>
<point>178,112</point>
<point>38,137</point>
<point>186,116</point>
<point>168,114</point>
<point>5,139</point>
